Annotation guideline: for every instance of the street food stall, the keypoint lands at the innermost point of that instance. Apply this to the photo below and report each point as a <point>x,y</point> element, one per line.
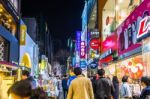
<point>8,75</point>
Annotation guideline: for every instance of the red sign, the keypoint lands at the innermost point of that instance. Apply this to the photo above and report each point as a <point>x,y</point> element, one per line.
<point>94,44</point>
<point>82,50</point>
<point>144,27</point>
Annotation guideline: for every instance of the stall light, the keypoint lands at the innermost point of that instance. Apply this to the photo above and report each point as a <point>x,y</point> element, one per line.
<point>1,10</point>
<point>117,8</point>
<point>120,1</point>
<point>93,15</point>
<point>10,20</point>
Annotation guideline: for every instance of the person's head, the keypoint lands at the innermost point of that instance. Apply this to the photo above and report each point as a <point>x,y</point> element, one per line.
<point>125,79</point>
<point>25,74</point>
<point>20,90</point>
<point>38,94</point>
<point>101,72</point>
<point>115,79</point>
<point>145,81</point>
<point>77,71</point>
<point>65,76</point>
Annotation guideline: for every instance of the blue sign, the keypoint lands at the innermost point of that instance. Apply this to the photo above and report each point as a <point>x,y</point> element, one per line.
<point>78,40</point>
<point>83,64</point>
<point>93,65</point>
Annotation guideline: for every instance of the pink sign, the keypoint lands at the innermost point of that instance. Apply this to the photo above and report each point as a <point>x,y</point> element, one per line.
<point>127,31</point>
<point>82,50</point>
<point>110,42</point>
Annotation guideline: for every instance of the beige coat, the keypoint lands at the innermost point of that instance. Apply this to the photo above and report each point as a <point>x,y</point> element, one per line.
<point>80,88</point>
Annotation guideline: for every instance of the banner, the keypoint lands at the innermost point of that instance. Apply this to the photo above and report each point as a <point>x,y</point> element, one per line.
<point>23,30</point>
<point>128,30</point>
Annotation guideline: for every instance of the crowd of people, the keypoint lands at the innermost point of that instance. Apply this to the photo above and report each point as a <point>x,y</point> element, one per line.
<point>77,86</point>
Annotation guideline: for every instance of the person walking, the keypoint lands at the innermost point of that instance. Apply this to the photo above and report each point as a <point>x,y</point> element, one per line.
<point>125,90</point>
<point>26,76</point>
<point>38,93</point>
<point>64,85</point>
<point>81,87</point>
<point>71,77</point>
<point>20,90</point>
<point>93,80</point>
<point>104,86</point>
<point>116,86</point>
<point>145,82</point>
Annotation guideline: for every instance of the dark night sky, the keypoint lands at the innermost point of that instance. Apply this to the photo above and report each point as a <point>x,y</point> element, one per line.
<point>63,16</point>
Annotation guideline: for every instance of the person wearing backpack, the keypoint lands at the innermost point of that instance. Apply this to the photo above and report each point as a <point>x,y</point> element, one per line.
<point>125,89</point>
<point>145,82</point>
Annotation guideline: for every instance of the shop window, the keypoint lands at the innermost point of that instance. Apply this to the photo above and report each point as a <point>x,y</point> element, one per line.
<point>115,12</point>
<point>146,55</point>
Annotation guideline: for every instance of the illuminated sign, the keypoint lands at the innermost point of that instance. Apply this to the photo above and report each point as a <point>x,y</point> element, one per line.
<point>94,44</point>
<point>82,50</point>
<point>83,64</point>
<point>144,27</point>
<point>78,40</point>
<point>23,30</point>
<point>94,34</point>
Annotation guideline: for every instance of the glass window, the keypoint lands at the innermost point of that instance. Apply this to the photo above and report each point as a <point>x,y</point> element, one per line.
<point>115,12</point>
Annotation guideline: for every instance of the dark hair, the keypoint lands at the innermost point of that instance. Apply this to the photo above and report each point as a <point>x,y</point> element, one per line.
<point>125,79</point>
<point>101,72</point>
<point>65,75</point>
<point>115,79</point>
<point>21,88</point>
<point>26,73</point>
<point>38,93</point>
<point>146,80</point>
<point>77,71</point>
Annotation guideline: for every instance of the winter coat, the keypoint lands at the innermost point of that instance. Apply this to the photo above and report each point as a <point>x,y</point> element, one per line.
<point>145,93</point>
<point>104,88</point>
<point>80,88</point>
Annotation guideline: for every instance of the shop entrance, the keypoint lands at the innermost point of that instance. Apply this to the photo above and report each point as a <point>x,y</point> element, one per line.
<point>146,55</point>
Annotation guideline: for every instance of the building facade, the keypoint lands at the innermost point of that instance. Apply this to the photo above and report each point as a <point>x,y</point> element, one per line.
<point>9,30</point>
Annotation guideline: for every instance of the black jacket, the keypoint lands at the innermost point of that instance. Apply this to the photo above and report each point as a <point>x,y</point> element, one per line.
<point>104,88</point>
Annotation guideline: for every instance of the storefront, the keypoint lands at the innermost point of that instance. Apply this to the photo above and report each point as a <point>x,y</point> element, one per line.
<point>115,14</point>
<point>8,34</point>
<point>133,54</point>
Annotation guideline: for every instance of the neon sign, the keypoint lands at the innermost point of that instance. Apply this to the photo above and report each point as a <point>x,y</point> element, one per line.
<point>82,50</point>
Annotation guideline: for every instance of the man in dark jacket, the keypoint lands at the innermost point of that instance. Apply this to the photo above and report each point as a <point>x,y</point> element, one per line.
<point>64,85</point>
<point>145,82</point>
<point>104,86</point>
<point>26,76</point>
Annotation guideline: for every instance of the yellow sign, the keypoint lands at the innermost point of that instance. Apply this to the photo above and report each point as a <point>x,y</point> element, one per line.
<point>23,30</point>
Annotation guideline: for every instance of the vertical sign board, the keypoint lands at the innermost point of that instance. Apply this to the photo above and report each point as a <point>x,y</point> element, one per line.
<point>78,41</point>
<point>23,30</point>
<point>82,50</point>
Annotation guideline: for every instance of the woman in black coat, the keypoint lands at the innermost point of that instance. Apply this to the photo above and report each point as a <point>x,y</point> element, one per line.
<point>116,86</point>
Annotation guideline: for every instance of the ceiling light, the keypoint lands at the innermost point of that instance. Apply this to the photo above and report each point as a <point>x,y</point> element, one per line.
<point>120,1</point>
<point>117,8</point>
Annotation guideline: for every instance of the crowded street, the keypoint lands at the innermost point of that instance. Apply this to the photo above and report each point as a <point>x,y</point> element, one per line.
<point>75,49</point>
